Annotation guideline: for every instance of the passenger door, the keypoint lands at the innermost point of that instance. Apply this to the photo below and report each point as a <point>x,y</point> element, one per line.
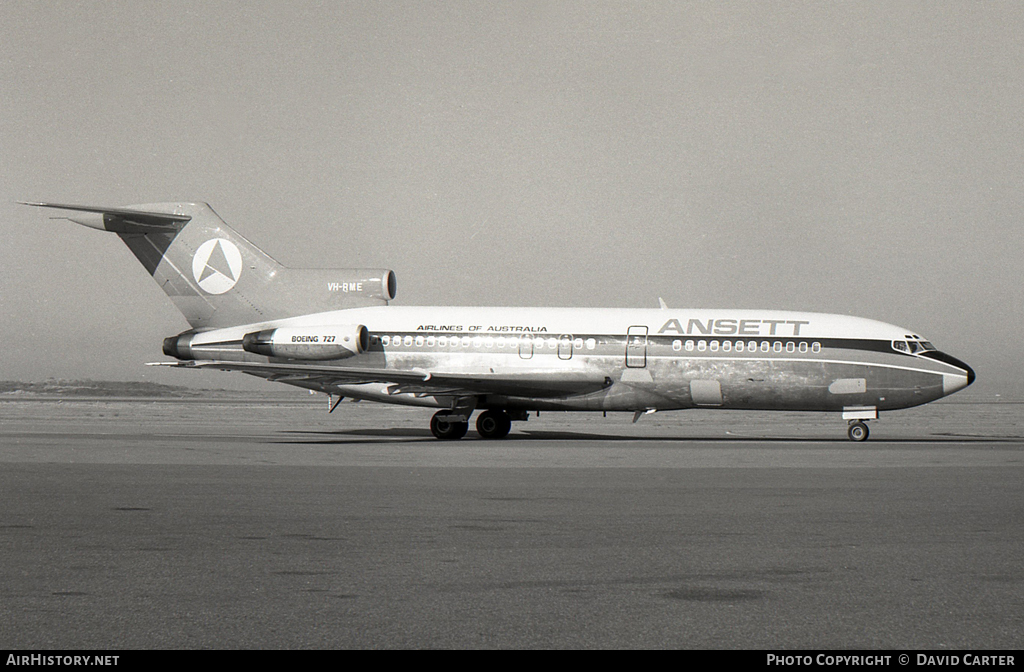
<point>636,347</point>
<point>565,346</point>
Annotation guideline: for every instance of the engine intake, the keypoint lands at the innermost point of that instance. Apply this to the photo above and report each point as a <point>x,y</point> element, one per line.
<point>311,343</point>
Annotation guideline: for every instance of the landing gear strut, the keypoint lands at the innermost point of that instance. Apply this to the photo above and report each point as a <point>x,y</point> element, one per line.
<point>858,431</point>
<point>493,424</point>
<point>446,429</point>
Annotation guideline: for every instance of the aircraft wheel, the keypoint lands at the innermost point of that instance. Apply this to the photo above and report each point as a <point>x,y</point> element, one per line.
<point>445,430</point>
<point>493,424</point>
<point>858,431</point>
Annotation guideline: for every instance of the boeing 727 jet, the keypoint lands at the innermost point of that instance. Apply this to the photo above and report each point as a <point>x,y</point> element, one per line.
<point>334,331</point>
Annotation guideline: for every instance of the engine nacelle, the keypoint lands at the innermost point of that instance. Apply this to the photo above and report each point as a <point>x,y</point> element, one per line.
<point>180,346</point>
<point>313,343</point>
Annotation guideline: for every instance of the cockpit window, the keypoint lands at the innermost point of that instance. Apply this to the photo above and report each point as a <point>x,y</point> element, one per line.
<point>917,347</point>
<point>913,346</point>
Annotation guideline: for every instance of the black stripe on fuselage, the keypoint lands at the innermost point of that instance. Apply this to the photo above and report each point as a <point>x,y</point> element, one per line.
<point>952,361</point>
<point>837,343</point>
<point>764,345</point>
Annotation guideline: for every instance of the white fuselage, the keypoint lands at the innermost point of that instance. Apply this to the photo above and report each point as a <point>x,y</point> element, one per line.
<point>654,359</point>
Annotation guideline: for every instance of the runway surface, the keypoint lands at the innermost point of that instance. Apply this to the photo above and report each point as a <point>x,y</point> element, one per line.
<point>230,524</point>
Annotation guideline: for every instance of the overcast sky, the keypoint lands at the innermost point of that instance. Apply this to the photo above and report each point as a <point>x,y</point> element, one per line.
<point>863,158</point>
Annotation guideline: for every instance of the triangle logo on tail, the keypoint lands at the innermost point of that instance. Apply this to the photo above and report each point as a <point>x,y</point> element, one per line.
<point>217,265</point>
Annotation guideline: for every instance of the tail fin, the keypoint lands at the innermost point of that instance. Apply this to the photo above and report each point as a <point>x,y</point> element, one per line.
<point>217,278</point>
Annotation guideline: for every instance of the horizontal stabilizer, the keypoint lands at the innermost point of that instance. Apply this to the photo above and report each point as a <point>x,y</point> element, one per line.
<point>121,220</point>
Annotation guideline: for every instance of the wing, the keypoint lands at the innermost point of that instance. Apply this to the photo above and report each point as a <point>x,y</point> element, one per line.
<point>538,383</point>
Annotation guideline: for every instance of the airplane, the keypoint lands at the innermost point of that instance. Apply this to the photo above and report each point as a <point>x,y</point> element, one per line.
<point>334,331</point>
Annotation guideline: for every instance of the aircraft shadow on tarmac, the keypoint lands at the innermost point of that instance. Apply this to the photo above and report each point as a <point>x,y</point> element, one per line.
<point>410,435</point>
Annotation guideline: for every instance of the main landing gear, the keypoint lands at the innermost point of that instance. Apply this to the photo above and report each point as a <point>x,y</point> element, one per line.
<point>448,426</point>
<point>493,424</point>
<point>858,431</point>
<point>444,427</point>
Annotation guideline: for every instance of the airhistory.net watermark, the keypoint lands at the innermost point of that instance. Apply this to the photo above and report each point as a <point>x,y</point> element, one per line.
<point>66,661</point>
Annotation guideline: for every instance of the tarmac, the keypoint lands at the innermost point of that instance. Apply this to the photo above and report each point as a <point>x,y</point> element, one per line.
<point>245,524</point>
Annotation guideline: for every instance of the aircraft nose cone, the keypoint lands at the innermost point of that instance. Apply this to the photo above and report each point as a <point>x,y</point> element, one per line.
<point>951,382</point>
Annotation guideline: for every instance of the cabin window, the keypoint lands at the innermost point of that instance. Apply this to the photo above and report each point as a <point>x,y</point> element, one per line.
<point>591,343</point>
<point>442,341</point>
<point>803,347</point>
<point>677,345</point>
<point>689,346</point>
<point>431,341</point>
<point>465,341</point>
<point>815,347</point>
<point>727,346</point>
<point>777,346</point>
<point>702,346</point>
<point>407,341</point>
<point>765,346</point>
<point>752,346</point>
<point>419,341</point>
<point>791,347</point>
<point>714,346</point>
<point>385,339</point>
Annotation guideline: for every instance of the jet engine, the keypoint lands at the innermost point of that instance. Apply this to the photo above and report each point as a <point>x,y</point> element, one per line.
<point>313,343</point>
<point>180,346</point>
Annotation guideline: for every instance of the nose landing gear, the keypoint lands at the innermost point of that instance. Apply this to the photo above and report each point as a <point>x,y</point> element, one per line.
<point>858,431</point>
